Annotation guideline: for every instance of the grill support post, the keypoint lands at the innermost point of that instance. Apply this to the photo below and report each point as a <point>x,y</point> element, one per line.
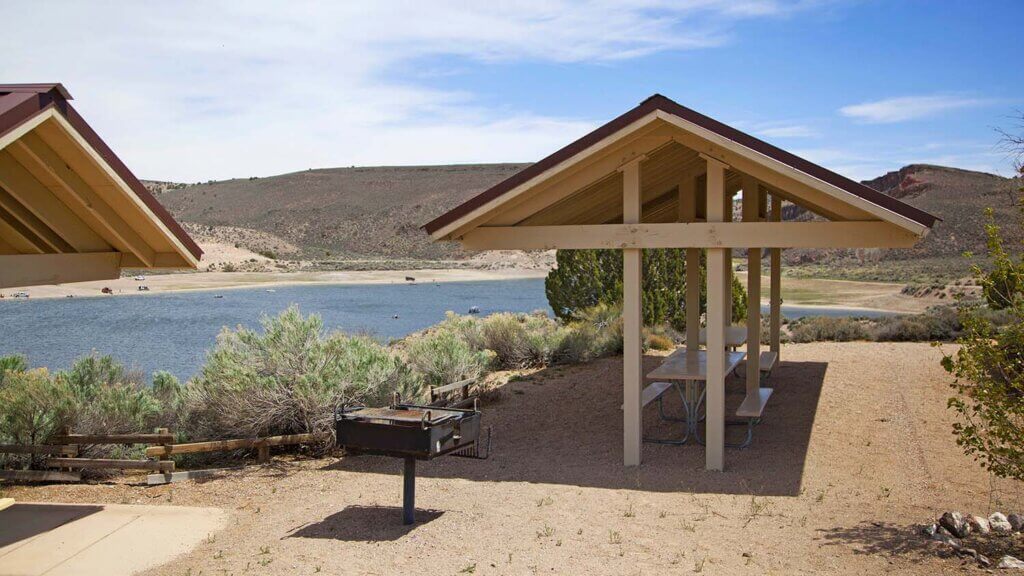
<point>409,492</point>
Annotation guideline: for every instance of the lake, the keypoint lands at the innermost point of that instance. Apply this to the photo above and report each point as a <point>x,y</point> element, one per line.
<point>172,331</point>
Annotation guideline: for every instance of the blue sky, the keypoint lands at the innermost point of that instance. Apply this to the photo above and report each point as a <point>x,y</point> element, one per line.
<point>196,91</point>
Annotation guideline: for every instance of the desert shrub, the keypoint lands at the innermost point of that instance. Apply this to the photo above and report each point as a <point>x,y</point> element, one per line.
<point>522,340</point>
<point>169,391</point>
<point>12,363</point>
<point>819,328</point>
<point>443,356</point>
<point>938,324</point>
<point>289,378</point>
<point>469,328</point>
<point>659,342</point>
<point>34,406</point>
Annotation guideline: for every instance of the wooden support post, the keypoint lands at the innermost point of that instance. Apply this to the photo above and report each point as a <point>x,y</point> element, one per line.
<point>262,453</point>
<point>775,305</point>
<point>166,455</point>
<point>716,323</point>
<point>632,323</point>
<point>752,213</point>
<point>688,213</point>
<point>727,217</point>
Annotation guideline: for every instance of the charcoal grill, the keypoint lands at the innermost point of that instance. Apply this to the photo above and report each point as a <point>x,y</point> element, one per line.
<point>411,432</point>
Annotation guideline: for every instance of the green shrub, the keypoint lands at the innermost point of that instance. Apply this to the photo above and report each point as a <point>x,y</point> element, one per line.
<point>819,328</point>
<point>12,363</point>
<point>583,279</point>
<point>289,379</point>
<point>34,406</point>
<point>988,367</point>
<point>443,356</point>
<point>522,340</point>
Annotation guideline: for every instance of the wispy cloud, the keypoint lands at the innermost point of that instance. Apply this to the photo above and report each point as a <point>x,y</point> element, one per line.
<point>788,131</point>
<point>199,90</point>
<point>904,108</point>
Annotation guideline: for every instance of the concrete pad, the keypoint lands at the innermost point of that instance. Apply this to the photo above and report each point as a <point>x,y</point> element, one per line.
<point>107,540</point>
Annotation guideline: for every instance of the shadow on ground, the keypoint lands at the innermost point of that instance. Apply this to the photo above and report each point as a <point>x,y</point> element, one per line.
<point>875,538</point>
<point>564,426</point>
<point>364,524</point>
<point>24,521</point>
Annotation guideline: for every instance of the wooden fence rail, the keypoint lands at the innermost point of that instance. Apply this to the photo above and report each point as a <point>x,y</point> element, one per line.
<point>109,463</point>
<point>67,465</point>
<point>38,449</point>
<point>261,444</point>
<point>161,438</point>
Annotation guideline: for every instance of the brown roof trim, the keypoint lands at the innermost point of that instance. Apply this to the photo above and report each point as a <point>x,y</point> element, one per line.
<point>22,102</point>
<point>659,102</point>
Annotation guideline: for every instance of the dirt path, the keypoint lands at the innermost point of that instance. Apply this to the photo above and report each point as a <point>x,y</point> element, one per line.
<point>854,453</point>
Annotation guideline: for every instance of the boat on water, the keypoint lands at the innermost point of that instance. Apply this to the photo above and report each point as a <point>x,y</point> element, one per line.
<point>474,309</point>
<point>143,288</point>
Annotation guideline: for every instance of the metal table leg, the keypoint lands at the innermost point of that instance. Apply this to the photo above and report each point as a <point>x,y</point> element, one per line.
<point>661,414</point>
<point>409,492</point>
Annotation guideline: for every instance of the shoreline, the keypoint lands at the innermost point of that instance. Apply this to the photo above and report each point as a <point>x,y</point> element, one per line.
<point>218,281</point>
<point>852,295</point>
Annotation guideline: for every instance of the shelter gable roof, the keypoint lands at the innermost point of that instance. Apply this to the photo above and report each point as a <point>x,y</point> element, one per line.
<point>658,103</point>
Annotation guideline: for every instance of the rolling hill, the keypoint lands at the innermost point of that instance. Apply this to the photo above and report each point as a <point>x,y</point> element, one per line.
<point>341,213</point>
<point>375,213</point>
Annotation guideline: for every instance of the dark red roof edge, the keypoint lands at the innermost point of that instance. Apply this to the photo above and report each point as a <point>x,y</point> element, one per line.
<point>52,95</point>
<point>659,102</point>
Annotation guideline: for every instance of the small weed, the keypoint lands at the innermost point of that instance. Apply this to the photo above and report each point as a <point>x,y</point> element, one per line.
<point>663,514</point>
<point>211,538</point>
<point>559,543</point>
<point>579,532</point>
<point>698,565</point>
<point>316,569</point>
<point>757,508</point>
<point>264,550</point>
<point>218,555</point>
<point>547,532</point>
<point>545,501</point>
<point>614,537</point>
<point>629,513</point>
<point>265,562</point>
<point>468,569</point>
<point>820,497</point>
<point>886,492</point>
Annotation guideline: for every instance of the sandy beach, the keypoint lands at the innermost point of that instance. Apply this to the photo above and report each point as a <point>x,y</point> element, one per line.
<point>180,282</point>
<point>809,292</point>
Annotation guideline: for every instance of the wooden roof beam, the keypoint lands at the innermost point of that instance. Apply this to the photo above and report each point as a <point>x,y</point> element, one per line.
<point>33,224</point>
<point>31,150</point>
<point>37,198</point>
<point>874,234</point>
<point>21,239</point>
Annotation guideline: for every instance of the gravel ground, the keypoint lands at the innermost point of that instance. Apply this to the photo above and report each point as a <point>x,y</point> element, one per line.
<point>855,453</point>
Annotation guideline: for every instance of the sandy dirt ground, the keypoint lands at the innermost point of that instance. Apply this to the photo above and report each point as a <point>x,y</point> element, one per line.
<point>854,453</point>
